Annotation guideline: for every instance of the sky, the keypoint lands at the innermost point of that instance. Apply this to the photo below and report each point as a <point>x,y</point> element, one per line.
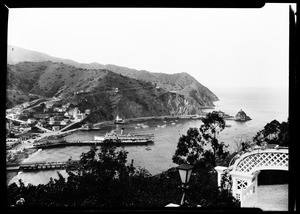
<point>218,47</point>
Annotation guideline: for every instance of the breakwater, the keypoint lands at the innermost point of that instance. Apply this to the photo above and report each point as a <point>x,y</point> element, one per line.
<point>91,143</point>
<point>35,166</point>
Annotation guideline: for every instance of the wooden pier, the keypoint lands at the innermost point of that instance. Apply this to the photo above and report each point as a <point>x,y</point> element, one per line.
<point>36,166</point>
<point>116,141</point>
<point>90,143</point>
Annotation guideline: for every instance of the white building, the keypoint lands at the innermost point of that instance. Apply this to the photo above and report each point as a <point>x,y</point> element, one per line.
<point>63,123</point>
<point>31,120</point>
<point>87,111</point>
<point>51,121</point>
<point>55,128</point>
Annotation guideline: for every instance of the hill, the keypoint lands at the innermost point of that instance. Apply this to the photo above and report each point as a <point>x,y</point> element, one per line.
<point>181,83</point>
<point>104,92</point>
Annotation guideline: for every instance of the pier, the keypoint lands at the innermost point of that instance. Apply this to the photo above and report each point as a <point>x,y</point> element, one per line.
<point>94,142</point>
<point>36,166</point>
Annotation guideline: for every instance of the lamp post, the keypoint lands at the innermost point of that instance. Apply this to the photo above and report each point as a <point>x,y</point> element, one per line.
<point>185,171</point>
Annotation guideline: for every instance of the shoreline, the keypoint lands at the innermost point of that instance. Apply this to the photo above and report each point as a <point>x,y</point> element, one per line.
<point>26,153</point>
<point>139,119</point>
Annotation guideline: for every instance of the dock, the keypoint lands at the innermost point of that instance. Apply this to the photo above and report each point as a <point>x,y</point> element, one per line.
<point>115,142</point>
<point>36,166</point>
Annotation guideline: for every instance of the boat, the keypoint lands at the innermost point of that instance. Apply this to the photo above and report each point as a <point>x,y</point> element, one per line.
<point>119,120</point>
<point>129,138</point>
<point>89,127</point>
<point>196,116</point>
<point>99,138</point>
<point>116,139</point>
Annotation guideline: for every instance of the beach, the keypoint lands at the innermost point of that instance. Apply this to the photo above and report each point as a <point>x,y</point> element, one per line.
<point>19,158</point>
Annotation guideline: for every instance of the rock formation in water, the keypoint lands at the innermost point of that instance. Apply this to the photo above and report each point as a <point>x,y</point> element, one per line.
<point>242,116</point>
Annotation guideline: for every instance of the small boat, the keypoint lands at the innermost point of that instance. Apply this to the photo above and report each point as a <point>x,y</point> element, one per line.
<point>129,138</point>
<point>119,120</point>
<point>196,116</point>
<point>89,128</point>
<point>99,138</point>
<point>148,148</point>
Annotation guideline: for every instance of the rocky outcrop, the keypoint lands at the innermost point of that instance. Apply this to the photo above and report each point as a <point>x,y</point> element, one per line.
<point>242,116</point>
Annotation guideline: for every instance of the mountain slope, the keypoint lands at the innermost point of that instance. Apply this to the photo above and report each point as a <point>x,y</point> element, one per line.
<point>104,92</point>
<point>181,83</point>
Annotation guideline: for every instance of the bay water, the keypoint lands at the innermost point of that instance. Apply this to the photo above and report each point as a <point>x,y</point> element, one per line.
<point>262,105</point>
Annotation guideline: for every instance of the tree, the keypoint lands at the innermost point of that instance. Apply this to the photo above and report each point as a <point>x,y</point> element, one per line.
<point>283,136</point>
<point>273,133</point>
<point>192,148</point>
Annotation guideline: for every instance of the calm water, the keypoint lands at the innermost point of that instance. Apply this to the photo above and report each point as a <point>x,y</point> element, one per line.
<point>262,105</point>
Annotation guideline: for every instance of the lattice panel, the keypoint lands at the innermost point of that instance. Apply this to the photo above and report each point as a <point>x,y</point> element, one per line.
<point>241,184</point>
<point>267,159</point>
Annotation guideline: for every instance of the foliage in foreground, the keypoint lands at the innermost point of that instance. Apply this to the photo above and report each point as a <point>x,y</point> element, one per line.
<point>273,133</point>
<point>103,180</point>
<point>200,147</point>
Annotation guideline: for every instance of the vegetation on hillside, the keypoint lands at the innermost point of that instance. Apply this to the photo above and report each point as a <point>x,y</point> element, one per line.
<point>105,93</point>
<point>182,83</point>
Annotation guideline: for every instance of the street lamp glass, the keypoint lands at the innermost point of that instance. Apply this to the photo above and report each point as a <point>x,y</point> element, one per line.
<point>185,171</point>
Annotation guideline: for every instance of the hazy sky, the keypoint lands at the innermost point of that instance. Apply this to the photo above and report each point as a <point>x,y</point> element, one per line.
<point>219,47</point>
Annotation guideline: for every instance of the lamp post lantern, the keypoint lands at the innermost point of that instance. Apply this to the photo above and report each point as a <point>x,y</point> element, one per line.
<point>185,171</point>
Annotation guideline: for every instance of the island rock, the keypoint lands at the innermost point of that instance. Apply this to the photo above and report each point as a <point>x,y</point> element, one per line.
<point>242,116</point>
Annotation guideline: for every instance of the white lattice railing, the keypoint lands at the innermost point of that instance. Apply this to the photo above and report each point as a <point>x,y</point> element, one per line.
<point>262,159</point>
<point>248,196</point>
<point>241,184</point>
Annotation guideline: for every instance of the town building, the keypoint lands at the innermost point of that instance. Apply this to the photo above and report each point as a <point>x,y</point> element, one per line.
<point>87,111</point>
<point>51,121</point>
<point>55,128</point>
<point>41,116</point>
<point>31,121</point>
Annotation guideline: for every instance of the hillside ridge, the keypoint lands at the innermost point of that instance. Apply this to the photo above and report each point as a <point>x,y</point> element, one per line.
<point>181,83</point>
